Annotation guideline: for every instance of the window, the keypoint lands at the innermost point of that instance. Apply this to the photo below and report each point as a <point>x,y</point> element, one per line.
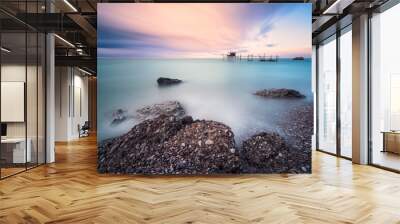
<point>346,93</point>
<point>385,89</point>
<point>327,96</point>
<point>334,106</point>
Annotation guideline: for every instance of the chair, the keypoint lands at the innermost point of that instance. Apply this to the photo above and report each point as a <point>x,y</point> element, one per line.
<point>84,130</point>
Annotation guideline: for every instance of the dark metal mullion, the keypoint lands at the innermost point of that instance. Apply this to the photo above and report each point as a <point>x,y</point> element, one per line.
<point>334,154</point>
<point>37,91</point>
<point>26,87</point>
<point>385,168</point>
<point>45,95</point>
<point>338,92</point>
<point>45,88</point>
<point>369,90</point>
<point>317,97</point>
<point>13,174</point>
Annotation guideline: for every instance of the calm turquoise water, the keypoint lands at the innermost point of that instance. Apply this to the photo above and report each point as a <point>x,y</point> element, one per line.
<point>213,89</point>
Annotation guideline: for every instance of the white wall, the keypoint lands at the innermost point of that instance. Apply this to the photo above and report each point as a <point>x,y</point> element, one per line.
<point>62,81</point>
<point>71,93</point>
<point>9,73</point>
<point>16,73</point>
<point>80,110</point>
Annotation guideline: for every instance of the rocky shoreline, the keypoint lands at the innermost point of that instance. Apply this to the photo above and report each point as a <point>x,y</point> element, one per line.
<point>298,130</point>
<point>168,142</point>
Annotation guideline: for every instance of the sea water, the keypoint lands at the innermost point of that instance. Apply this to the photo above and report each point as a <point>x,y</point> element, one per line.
<point>212,89</point>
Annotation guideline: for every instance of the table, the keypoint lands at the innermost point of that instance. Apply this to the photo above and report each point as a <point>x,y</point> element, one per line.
<point>15,148</point>
<point>391,141</point>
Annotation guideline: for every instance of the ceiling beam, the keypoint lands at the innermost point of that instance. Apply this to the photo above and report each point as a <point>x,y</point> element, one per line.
<point>86,27</point>
<point>78,61</point>
<point>338,6</point>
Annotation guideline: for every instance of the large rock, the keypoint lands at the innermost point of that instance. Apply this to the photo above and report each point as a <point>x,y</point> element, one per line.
<point>162,81</point>
<point>169,108</point>
<point>279,93</point>
<point>266,153</point>
<point>139,150</point>
<point>119,116</point>
<point>171,145</point>
<point>203,147</point>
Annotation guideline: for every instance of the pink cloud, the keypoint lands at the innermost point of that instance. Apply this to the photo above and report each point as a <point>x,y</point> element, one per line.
<point>205,30</point>
<point>177,23</point>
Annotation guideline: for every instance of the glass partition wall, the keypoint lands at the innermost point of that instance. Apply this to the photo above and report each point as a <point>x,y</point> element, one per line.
<point>22,78</point>
<point>13,87</point>
<point>385,89</point>
<point>334,93</point>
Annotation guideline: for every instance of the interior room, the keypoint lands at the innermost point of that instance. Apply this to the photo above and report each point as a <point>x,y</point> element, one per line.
<point>385,109</point>
<point>71,152</point>
<point>23,96</point>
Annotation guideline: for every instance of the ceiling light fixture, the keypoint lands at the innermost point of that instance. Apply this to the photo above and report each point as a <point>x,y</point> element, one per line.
<point>65,41</point>
<point>70,5</point>
<point>331,7</point>
<point>79,51</point>
<point>84,71</point>
<point>5,50</point>
<point>337,7</point>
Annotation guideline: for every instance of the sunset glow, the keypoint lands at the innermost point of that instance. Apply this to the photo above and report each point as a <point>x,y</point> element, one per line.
<point>150,30</point>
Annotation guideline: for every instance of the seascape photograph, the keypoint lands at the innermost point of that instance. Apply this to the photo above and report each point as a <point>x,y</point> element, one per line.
<point>204,88</point>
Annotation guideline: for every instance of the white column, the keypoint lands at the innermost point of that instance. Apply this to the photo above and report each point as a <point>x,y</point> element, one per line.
<point>360,90</point>
<point>50,98</point>
<point>50,91</point>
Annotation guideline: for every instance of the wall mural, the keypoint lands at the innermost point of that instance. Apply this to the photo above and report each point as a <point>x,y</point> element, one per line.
<point>204,88</point>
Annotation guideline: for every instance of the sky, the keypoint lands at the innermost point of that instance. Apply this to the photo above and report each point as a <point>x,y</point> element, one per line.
<point>203,30</point>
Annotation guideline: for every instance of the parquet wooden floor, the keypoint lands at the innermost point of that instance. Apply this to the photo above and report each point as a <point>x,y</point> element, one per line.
<point>71,191</point>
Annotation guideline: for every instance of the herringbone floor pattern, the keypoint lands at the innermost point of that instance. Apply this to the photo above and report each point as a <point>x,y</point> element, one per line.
<point>71,191</point>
